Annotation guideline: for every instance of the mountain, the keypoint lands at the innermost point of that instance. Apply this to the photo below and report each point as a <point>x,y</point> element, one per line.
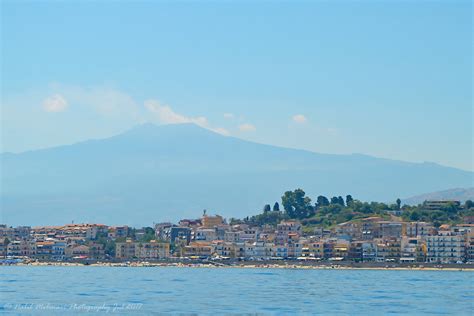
<point>458,194</point>
<point>155,173</point>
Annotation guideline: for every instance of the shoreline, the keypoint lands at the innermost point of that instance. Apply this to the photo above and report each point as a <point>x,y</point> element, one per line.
<point>255,265</point>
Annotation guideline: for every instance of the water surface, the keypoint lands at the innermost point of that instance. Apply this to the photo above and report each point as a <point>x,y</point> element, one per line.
<point>58,290</point>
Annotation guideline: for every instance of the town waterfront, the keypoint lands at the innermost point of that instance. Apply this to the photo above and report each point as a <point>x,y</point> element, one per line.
<point>127,290</point>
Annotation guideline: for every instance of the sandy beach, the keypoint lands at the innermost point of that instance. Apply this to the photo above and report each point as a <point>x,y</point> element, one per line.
<point>259,265</point>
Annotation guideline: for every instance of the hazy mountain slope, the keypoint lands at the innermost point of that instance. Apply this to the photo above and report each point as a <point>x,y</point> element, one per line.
<point>459,194</point>
<point>153,173</point>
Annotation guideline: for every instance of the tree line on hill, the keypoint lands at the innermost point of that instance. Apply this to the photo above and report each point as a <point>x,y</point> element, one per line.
<point>327,212</point>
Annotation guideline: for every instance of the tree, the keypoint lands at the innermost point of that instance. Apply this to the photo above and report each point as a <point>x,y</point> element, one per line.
<point>109,248</point>
<point>451,208</point>
<point>276,207</point>
<point>267,218</point>
<point>322,201</point>
<point>288,202</point>
<point>149,234</point>
<point>415,216</point>
<point>399,204</point>
<point>235,221</point>
<point>296,204</point>
<point>334,200</point>
<point>266,208</point>
<point>340,200</point>
<point>349,200</point>
<point>468,204</point>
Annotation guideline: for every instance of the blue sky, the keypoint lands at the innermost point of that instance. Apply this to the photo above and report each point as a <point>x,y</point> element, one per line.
<point>387,78</point>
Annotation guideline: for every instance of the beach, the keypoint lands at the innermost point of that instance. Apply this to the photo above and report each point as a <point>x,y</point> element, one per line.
<point>260,265</point>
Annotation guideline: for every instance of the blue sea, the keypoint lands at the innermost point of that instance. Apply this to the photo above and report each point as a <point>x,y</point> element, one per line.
<point>52,290</point>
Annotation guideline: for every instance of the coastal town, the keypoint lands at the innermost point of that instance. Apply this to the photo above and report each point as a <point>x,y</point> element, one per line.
<point>373,239</point>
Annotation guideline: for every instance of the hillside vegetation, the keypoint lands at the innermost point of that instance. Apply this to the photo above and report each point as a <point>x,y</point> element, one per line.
<point>327,212</point>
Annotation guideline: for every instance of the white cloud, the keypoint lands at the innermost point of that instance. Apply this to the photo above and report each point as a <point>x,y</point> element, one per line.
<point>229,115</point>
<point>299,118</point>
<point>166,115</point>
<point>55,103</point>
<point>247,128</point>
<point>221,131</point>
<point>93,112</point>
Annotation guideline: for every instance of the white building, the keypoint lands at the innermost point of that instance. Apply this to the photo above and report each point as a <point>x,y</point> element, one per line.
<point>446,247</point>
<point>205,234</point>
<point>259,249</point>
<point>230,236</point>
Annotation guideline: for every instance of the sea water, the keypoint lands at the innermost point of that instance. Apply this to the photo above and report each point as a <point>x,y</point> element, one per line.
<point>145,290</point>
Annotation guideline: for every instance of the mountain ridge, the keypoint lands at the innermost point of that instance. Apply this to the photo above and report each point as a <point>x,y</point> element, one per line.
<point>150,126</point>
<point>458,194</point>
<point>172,171</point>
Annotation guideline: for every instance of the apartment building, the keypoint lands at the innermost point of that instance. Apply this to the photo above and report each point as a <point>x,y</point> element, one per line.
<point>118,232</point>
<point>285,230</point>
<point>21,248</point>
<point>142,250</point>
<point>222,248</point>
<point>446,247</point>
<point>198,249</point>
<point>13,233</point>
<point>152,250</point>
<point>388,249</point>
<point>421,229</point>
<point>413,249</point>
<point>205,234</point>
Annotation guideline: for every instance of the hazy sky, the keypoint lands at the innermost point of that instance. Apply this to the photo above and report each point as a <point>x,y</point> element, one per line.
<point>390,78</point>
